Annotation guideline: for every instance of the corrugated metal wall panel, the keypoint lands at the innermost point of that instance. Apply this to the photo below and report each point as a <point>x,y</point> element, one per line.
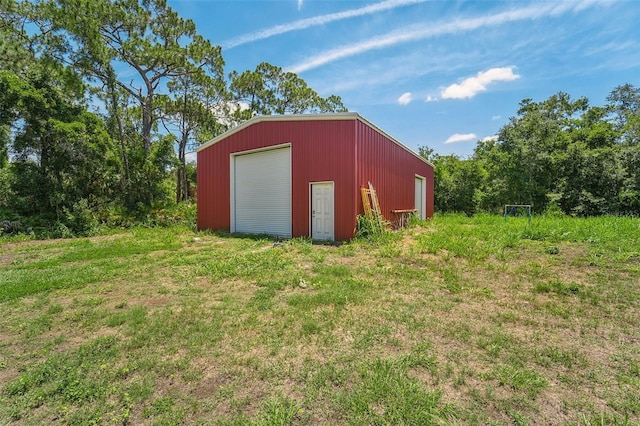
<point>325,153</point>
<point>213,190</point>
<point>391,169</point>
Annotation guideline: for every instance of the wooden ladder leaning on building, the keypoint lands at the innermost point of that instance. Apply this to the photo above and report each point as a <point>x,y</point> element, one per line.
<point>372,207</point>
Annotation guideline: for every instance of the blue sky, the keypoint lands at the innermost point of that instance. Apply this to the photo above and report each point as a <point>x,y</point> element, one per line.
<point>439,73</point>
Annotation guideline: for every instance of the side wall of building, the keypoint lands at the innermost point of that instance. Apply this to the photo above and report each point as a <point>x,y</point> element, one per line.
<point>391,169</point>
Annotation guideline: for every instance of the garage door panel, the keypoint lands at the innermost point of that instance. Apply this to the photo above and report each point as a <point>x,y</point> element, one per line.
<point>262,191</point>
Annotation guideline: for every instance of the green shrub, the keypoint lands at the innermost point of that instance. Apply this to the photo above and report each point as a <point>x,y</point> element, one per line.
<point>370,228</point>
<point>80,219</point>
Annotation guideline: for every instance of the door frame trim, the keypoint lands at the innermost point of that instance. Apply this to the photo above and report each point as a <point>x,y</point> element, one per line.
<point>423,201</point>
<point>333,185</point>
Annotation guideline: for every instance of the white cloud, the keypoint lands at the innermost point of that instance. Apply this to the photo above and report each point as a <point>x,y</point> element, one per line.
<point>401,67</point>
<point>496,117</point>
<point>405,99</point>
<point>300,3</point>
<point>458,137</point>
<point>430,98</point>
<point>422,32</point>
<point>316,21</point>
<point>191,157</point>
<point>490,138</point>
<point>470,87</point>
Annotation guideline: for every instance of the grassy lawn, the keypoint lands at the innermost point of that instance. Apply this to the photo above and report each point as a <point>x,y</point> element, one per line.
<point>458,320</point>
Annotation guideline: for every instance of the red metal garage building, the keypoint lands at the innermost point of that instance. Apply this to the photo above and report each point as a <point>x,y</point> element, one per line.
<point>300,175</point>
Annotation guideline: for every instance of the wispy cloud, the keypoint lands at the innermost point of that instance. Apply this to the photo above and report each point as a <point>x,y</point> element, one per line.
<point>403,67</point>
<point>535,11</point>
<point>405,99</point>
<point>430,98</point>
<point>490,138</point>
<point>471,86</point>
<point>461,137</point>
<point>300,3</point>
<point>316,21</point>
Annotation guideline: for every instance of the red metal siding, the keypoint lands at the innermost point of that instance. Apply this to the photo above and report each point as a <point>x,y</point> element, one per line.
<point>391,169</point>
<point>320,150</point>
<point>213,202</point>
<point>323,151</point>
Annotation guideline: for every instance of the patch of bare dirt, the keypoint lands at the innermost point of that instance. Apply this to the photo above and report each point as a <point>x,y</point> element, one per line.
<point>37,243</point>
<point>6,259</point>
<point>8,371</point>
<point>211,383</point>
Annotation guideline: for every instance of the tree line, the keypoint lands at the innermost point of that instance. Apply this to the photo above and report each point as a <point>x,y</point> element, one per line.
<point>96,97</point>
<point>560,155</point>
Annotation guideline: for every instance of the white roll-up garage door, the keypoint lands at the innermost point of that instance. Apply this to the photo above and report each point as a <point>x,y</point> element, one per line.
<point>261,192</point>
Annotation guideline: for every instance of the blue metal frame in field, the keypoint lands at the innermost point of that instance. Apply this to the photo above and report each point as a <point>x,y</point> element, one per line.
<point>517,210</point>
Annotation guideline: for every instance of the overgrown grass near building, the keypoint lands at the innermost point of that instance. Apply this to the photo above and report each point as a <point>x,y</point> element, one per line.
<point>457,320</point>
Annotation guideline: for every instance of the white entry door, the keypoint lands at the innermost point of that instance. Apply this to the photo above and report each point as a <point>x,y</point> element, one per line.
<point>420,197</point>
<point>322,211</point>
